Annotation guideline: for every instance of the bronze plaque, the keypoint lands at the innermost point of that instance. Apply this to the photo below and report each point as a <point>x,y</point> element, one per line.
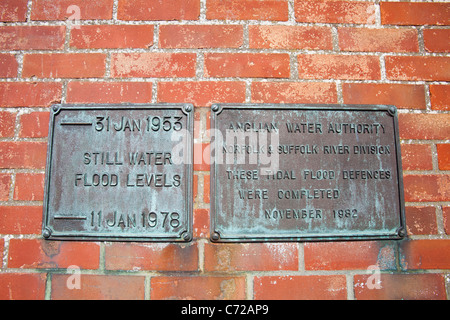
<point>119,173</point>
<point>305,172</point>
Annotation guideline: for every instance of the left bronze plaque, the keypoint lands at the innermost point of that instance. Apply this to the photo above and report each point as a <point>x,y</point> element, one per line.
<point>119,173</point>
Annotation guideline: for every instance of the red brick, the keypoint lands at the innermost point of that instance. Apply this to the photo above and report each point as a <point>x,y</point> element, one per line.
<point>420,188</point>
<point>35,253</point>
<point>401,287</point>
<point>434,40</point>
<point>64,65</point>
<point>349,255</point>
<point>206,189</point>
<point>202,93</point>
<point>332,11</point>
<point>22,286</point>
<point>7,124</point>
<point>32,37</point>
<point>418,68</point>
<point>443,151</point>
<point>20,220</point>
<point>421,220</point>
<point>197,288</point>
<point>23,155</point>
<point>439,97</point>
<point>13,10</point>
<point>247,65</point>
<point>8,65</point>
<point>57,9</point>
<point>322,287</point>
<point>109,92</point>
<point>446,214</point>
<point>34,125</point>
<point>195,186</point>
<point>326,66</point>
<point>158,10</point>
<point>29,94</point>
<point>161,257</point>
<point>415,13</point>
<point>251,257</point>
<point>290,37</point>
<point>294,92</point>
<point>99,287</point>
<point>153,64</point>
<point>424,126</point>
<point>201,36</point>
<point>112,36</point>
<point>276,10</point>
<point>2,245</point>
<point>425,254</point>
<point>416,157</point>
<point>29,187</point>
<point>384,40</point>
<point>201,223</point>
<point>5,182</point>
<point>202,159</point>
<point>408,96</point>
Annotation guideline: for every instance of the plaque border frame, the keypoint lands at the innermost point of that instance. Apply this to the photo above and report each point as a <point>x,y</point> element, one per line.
<point>185,235</point>
<point>217,236</point>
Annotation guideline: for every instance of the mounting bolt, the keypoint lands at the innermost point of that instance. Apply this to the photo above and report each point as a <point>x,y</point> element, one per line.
<point>187,237</point>
<point>188,108</point>
<point>215,108</point>
<point>401,232</point>
<point>215,236</point>
<point>392,110</point>
<point>47,233</point>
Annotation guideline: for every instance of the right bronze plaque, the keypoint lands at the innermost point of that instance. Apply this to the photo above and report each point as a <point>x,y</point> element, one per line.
<point>305,173</point>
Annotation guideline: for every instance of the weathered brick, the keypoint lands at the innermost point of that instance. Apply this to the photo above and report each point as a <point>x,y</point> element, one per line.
<point>424,126</point>
<point>200,36</point>
<point>251,257</point>
<point>433,187</point>
<point>322,287</point>
<point>334,66</point>
<point>109,92</point>
<point>8,65</point>
<point>112,36</point>
<point>416,157</point>
<point>197,288</point>
<point>335,11</point>
<point>443,151</point>
<point>29,94</point>
<point>5,182</point>
<point>161,257</point>
<point>439,97</point>
<point>29,187</point>
<point>418,68</point>
<point>59,9</point>
<point>158,10</point>
<point>421,220</point>
<point>7,124</point>
<point>13,10</point>
<point>153,64</point>
<point>349,255</point>
<point>400,287</point>
<point>275,10</point>
<point>23,154</point>
<point>202,160</point>
<point>247,65</point>
<point>201,223</point>
<point>415,13</point>
<point>434,40</point>
<point>409,96</point>
<point>34,125</point>
<point>22,286</point>
<point>206,188</point>
<point>290,37</point>
<point>35,253</point>
<point>201,93</point>
<point>293,92</point>
<point>425,254</point>
<point>446,215</point>
<point>99,287</point>
<point>20,220</point>
<point>64,65</point>
<point>378,40</point>
<point>32,37</point>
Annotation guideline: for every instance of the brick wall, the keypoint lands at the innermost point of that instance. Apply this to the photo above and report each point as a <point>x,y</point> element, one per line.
<point>240,51</point>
